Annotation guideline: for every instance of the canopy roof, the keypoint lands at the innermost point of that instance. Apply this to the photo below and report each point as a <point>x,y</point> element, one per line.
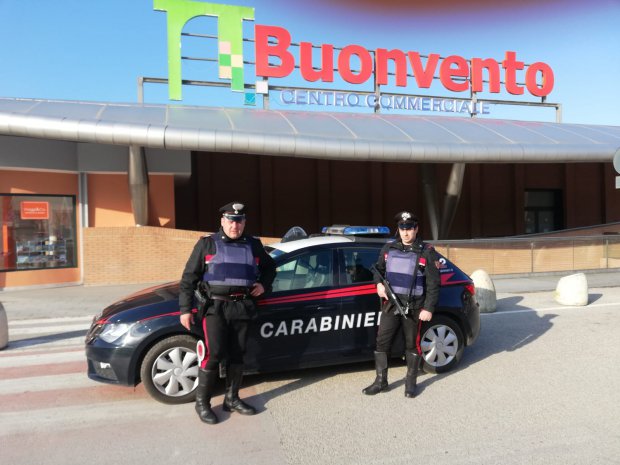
<point>343,136</point>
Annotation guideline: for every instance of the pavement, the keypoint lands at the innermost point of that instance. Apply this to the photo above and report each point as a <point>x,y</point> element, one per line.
<point>67,301</point>
<point>74,301</point>
<point>517,392</point>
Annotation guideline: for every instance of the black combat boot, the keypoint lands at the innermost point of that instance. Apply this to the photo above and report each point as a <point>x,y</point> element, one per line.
<point>413,365</point>
<point>381,383</point>
<point>204,391</point>
<point>234,375</point>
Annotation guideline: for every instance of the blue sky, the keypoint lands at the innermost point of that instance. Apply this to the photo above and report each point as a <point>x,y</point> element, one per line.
<point>95,50</point>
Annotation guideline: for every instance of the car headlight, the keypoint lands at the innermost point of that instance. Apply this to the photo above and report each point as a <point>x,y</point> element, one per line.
<point>113,331</point>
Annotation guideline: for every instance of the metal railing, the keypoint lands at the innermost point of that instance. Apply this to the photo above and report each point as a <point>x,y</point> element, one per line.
<point>528,255</point>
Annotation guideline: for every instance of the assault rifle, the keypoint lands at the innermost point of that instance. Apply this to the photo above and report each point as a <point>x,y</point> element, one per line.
<point>392,297</point>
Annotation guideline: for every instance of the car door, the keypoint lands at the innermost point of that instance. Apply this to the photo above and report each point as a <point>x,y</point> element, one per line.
<point>360,303</point>
<point>296,320</point>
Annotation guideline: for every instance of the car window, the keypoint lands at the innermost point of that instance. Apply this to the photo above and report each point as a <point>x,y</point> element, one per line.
<point>357,264</point>
<point>273,252</point>
<point>306,271</point>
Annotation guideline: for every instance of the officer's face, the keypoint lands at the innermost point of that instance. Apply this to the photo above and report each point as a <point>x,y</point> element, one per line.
<point>408,235</point>
<point>233,229</point>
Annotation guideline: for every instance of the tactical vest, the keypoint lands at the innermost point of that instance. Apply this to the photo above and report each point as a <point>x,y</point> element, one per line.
<point>400,273</point>
<point>232,265</point>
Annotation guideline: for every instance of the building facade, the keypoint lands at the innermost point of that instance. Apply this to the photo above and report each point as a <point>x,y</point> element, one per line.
<point>497,200</point>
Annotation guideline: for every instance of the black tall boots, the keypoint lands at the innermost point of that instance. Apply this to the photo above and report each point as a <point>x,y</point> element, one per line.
<point>413,365</point>
<point>381,383</point>
<point>204,391</point>
<point>234,375</point>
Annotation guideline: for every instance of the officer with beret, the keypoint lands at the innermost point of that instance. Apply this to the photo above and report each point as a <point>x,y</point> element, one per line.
<point>228,269</point>
<point>408,265</point>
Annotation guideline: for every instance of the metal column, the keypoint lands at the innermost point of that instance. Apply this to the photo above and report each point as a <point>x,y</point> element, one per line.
<point>451,199</point>
<point>138,185</point>
<point>83,223</point>
<point>429,187</point>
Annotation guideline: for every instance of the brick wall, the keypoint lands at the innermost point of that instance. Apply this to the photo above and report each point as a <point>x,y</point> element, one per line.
<point>124,255</point>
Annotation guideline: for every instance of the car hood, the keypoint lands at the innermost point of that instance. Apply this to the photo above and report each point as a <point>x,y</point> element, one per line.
<point>146,297</point>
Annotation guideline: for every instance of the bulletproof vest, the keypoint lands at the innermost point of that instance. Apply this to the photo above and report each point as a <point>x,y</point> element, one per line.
<point>400,273</point>
<point>232,265</point>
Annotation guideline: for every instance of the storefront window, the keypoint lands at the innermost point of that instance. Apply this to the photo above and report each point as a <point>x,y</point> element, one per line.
<point>38,232</point>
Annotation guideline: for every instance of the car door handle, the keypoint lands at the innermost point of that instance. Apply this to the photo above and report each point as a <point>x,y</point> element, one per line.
<point>323,307</point>
<point>286,309</point>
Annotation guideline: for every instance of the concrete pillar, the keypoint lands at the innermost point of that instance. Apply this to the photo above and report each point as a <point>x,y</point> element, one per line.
<point>451,199</point>
<point>429,187</point>
<point>138,185</point>
<point>485,291</point>
<point>572,290</point>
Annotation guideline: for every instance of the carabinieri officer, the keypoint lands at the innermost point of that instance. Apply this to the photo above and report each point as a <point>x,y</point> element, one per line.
<point>231,269</point>
<point>408,264</point>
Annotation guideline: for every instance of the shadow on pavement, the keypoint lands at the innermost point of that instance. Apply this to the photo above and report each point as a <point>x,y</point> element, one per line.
<point>518,326</point>
<point>299,379</point>
<point>503,331</point>
<point>593,298</point>
<point>33,341</point>
<point>511,303</point>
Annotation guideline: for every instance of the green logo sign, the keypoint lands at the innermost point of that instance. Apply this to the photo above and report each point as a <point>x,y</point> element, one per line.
<point>229,42</point>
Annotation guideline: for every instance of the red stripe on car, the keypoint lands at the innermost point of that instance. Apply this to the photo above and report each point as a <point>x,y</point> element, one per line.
<point>330,294</point>
<point>445,279</point>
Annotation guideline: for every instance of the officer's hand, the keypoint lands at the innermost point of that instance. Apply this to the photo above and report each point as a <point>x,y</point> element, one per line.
<point>257,290</point>
<point>381,291</point>
<point>425,315</point>
<point>187,319</point>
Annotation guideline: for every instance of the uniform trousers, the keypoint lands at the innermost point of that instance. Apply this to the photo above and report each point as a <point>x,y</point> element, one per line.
<point>225,340</point>
<point>388,328</point>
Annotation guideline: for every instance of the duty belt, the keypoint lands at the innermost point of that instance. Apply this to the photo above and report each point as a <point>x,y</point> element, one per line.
<point>236,297</point>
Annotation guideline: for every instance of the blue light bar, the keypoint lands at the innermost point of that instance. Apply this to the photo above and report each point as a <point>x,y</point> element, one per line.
<point>366,230</point>
<point>355,230</point>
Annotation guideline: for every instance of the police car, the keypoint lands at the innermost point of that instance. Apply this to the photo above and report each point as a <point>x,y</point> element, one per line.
<point>323,310</point>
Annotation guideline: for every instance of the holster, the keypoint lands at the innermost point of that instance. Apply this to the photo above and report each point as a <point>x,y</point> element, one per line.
<point>202,300</point>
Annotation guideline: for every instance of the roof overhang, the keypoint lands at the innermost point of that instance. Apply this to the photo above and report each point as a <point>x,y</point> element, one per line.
<point>334,136</point>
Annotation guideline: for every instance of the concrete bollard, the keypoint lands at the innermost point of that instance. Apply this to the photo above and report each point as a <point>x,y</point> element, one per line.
<point>4,328</point>
<point>572,290</point>
<point>485,291</point>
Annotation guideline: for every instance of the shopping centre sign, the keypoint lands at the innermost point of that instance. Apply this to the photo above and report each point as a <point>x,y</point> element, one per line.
<point>454,72</point>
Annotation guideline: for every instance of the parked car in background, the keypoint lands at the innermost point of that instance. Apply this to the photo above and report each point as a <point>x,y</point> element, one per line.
<point>323,310</point>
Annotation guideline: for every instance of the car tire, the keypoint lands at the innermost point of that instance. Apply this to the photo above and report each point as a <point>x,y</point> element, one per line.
<point>442,344</point>
<point>169,370</point>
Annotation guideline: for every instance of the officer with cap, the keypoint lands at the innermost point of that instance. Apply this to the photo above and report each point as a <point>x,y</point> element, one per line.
<point>408,265</point>
<point>229,270</point>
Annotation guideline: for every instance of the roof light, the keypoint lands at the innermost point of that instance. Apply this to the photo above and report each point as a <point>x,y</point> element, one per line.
<point>356,230</point>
